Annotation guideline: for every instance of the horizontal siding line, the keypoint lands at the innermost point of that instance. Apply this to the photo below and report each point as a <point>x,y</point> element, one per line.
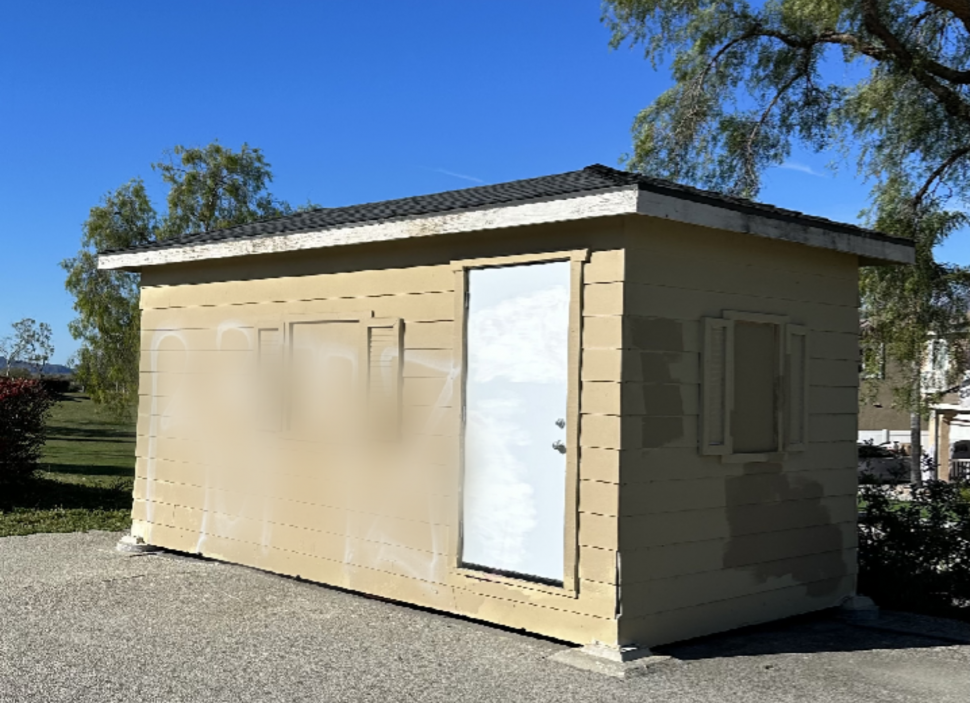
<point>283,524</point>
<point>202,467</point>
<point>305,554</point>
<point>654,450</point>
<point>633,550</point>
<point>298,476</point>
<point>288,500</point>
<point>697,319</point>
<point>725,508</point>
<point>296,436</point>
<point>248,326</point>
<point>687,415</point>
<point>246,303</point>
<point>704,254</point>
<point>289,439</point>
<point>721,477</point>
<point>740,567</point>
<point>679,384</point>
<point>525,601</point>
<point>708,477</point>
<point>799,585</point>
<point>195,350</point>
<point>630,284</point>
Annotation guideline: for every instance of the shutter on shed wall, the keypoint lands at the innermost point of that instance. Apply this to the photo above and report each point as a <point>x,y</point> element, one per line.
<point>797,348</point>
<point>717,389</point>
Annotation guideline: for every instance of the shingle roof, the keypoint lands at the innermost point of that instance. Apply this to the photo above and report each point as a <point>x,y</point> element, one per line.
<point>592,179</point>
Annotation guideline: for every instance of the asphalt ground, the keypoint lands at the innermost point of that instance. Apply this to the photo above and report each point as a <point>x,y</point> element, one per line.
<point>80,622</point>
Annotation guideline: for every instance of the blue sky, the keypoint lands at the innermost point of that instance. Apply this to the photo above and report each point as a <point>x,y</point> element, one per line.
<point>351,102</point>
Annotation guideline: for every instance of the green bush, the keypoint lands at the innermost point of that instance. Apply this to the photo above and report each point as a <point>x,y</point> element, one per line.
<point>914,554</point>
<point>58,385</point>
<point>24,408</point>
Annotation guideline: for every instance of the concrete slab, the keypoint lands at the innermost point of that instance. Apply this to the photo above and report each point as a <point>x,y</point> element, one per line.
<point>83,623</point>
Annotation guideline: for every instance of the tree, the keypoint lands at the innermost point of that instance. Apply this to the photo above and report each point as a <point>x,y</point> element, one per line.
<point>752,80</point>
<point>29,344</point>
<point>209,188</point>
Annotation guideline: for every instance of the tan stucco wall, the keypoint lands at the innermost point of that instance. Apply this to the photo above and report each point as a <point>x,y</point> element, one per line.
<point>707,545</point>
<point>216,478</point>
<point>876,410</point>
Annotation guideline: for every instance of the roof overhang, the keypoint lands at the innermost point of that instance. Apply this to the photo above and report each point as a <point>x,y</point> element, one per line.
<point>623,200</point>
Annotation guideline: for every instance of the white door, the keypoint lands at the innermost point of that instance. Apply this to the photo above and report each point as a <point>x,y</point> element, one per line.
<point>514,493</point>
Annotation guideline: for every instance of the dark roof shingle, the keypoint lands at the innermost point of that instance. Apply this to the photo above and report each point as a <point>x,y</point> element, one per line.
<point>570,184</point>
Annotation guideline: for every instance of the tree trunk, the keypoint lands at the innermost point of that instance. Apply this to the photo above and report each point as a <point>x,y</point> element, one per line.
<point>916,449</point>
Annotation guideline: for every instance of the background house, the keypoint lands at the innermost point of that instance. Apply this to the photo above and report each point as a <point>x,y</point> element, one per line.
<point>949,419</point>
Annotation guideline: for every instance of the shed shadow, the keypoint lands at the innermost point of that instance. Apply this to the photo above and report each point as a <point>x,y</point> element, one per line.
<point>814,633</point>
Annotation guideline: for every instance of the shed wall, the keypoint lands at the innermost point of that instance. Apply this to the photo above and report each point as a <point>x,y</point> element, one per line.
<point>707,545</point>
<point>219,474</point>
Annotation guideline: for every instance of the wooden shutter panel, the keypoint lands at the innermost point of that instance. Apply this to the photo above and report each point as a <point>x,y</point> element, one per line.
<point>797,387</point>
<point>717,387</point>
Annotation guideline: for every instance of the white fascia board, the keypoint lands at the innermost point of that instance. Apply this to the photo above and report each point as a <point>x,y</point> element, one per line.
<point>622,201</point>
<point>625,200</point>
<point>871,250</point>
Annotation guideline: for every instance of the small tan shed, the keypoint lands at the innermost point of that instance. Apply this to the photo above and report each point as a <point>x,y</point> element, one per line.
<point>592,405</point>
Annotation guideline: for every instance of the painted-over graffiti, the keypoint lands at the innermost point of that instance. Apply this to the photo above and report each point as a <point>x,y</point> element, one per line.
<point>232,419</point>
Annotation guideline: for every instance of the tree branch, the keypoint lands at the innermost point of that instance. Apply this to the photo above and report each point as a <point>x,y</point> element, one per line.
<point>949,99</point>
<point>938,173</point>
<point>960,8</point>
<point>749,160</point>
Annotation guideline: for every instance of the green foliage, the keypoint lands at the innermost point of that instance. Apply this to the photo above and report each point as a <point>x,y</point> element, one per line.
<point>108,318</point>
<point>30,343</point>
<point>24,409</point>
<point>915,554</point>
<point>85,478</point>
<point>884,80</point>
<point>209,188</point>
<point>751,78</point>
<point>214,187</point>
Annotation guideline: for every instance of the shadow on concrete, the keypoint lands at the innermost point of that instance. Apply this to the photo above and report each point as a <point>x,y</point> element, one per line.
<point>805,634</point>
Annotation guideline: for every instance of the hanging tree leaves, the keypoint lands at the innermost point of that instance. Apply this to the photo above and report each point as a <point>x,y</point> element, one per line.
<point>885,81</point>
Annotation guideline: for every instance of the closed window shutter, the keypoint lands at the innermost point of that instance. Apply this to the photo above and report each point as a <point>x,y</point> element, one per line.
<point>797,348</point>
<point>717,389</point>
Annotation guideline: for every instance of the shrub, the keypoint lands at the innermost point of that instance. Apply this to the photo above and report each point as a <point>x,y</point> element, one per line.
<point>914,554</point>
<point>24,407</point>
<point>58,385</point>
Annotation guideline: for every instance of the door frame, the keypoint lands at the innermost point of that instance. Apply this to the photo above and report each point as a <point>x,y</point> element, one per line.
<point>460,267</point>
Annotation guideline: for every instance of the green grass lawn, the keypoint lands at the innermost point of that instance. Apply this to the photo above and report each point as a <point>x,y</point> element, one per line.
<point>85,479</point>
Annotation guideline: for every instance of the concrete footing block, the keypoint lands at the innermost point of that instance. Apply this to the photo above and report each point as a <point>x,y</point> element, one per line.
<point>859,609</point>
<point>619,662</point>
<point>129,544</point>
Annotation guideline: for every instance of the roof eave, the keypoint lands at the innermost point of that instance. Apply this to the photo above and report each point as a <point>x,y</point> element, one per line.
<point>622,200</point>
<point>871,250</point>
<point>603,203</point>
